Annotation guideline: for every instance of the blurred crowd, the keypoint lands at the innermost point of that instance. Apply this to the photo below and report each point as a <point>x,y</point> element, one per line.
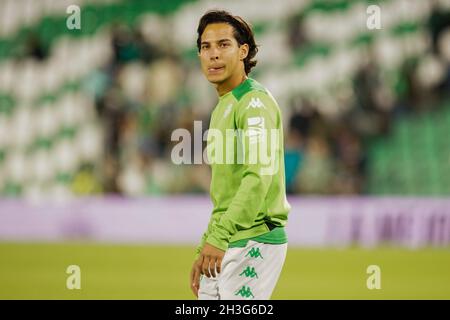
<point>145,91</point>
<point>329,156</point>
<point>141,99</point>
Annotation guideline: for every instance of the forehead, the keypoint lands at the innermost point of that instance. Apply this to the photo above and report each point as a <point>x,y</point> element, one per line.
<point>217,31</point>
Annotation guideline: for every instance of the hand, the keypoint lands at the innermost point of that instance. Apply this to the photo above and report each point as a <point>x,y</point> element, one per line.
<point>195,275</point>
<point>211,260</point>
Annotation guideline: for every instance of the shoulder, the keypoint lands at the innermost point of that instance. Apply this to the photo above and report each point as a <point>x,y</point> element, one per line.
<point>250,86</point>
<point>252,96</point>
<point>256,103</point>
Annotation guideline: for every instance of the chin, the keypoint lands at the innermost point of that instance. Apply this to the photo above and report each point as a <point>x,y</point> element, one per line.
<point>216,79</point>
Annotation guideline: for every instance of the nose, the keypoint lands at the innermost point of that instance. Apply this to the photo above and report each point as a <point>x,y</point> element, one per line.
<point>214,54</point>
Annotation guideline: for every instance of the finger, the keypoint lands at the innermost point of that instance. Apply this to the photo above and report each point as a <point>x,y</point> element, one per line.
<point>212,267</point>
<point>195,267</point>
<point>195,276</point>
<point>191,278</point>
<point>205,267</point>
<point>191,275</point>
<point>219,265</point>
<point>196,282</point>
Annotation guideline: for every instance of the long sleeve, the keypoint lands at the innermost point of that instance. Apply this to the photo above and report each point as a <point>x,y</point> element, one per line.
<point>258,120</point>
<point>212,221</point>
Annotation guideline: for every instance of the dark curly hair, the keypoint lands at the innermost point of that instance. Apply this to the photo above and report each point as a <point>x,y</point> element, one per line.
<point>242,32</point>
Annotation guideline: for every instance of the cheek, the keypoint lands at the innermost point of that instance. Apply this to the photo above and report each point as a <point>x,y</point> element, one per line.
<point>203,62</point>
<point>232,59</point>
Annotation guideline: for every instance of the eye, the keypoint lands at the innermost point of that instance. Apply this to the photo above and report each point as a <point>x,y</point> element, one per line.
<point>225,44</point>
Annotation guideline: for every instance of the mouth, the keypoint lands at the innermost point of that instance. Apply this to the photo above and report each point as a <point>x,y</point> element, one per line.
<point>217,69</point>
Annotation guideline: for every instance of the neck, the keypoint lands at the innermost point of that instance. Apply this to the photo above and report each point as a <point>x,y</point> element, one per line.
<point>230,84</point>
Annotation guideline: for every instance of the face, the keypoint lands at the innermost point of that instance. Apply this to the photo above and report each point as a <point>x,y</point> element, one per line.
<point>221,57</point>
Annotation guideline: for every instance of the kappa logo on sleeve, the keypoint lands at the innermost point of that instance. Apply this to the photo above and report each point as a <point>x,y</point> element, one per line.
<point>255,103</point>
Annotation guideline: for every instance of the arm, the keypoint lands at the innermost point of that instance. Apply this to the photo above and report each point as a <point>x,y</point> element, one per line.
<point>208,258</point>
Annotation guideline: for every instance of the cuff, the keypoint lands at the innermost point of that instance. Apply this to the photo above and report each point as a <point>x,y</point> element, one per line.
<point>218,243</point>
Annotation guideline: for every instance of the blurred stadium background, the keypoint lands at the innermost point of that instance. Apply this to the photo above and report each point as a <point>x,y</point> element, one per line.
<point>86,118</point>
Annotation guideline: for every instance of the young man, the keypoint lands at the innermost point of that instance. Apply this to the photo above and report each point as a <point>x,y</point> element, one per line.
<point>243,250</point>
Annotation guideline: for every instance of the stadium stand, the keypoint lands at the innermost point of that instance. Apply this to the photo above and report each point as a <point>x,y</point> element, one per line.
<point>91,111</point>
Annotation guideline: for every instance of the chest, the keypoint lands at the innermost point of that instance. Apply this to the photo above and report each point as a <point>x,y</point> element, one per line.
<point>223,117</point>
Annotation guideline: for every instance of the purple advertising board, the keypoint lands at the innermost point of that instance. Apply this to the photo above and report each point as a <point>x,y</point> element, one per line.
<point>313,221</point>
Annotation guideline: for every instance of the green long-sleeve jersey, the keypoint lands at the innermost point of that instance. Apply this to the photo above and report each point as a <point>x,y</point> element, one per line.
<point>246,154</point>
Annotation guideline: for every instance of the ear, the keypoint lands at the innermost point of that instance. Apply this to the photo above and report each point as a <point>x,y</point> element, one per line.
<point>243,51</point>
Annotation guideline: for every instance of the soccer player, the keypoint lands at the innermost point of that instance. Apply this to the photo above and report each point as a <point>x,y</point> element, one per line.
<point>242,252</point>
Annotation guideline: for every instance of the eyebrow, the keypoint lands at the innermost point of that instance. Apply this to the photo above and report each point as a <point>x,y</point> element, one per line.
<point>219,41</point>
